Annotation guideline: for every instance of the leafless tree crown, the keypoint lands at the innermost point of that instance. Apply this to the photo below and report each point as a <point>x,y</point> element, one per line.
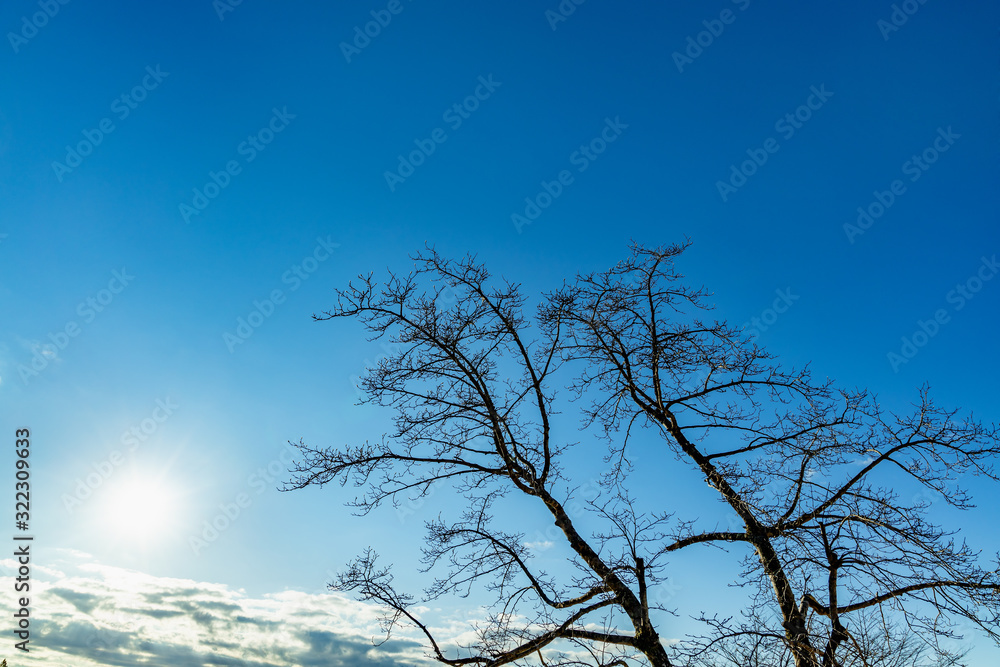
<point>840,570</point>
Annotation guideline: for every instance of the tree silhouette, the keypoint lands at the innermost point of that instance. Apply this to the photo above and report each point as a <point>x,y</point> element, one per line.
<point>840,569</point>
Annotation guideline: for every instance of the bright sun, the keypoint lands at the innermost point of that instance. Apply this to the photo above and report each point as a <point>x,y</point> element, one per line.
<point>139,509</point>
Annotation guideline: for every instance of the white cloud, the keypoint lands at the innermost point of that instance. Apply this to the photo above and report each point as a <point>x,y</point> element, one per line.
<point>88,615</point>
<point>541,545</point>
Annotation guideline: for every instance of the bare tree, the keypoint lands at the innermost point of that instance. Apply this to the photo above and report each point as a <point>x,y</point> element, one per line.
<point>807,472</point>
<point>873,640</point>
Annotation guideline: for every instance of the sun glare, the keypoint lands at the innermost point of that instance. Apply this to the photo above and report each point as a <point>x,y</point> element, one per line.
<point>139,509</point>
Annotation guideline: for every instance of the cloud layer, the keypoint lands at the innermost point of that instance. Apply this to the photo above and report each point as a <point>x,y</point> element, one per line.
<point>87,614</point>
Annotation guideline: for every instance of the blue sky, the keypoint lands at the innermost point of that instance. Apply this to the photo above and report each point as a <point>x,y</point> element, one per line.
<point>307,135</point>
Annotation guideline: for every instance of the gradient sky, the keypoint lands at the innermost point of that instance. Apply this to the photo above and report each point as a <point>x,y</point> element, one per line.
<point>312,207</point>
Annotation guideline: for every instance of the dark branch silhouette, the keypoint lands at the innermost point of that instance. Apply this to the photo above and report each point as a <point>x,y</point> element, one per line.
<point>841,570</point>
